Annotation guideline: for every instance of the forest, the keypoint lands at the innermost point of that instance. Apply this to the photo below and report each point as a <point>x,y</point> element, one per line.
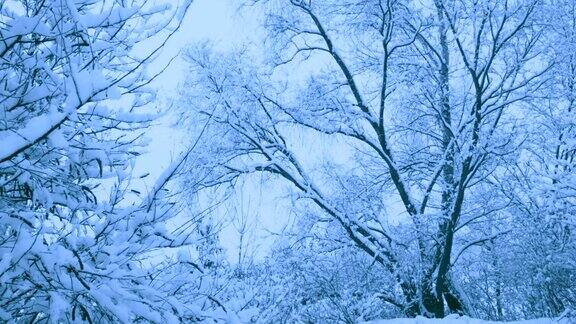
<point>357,161</point>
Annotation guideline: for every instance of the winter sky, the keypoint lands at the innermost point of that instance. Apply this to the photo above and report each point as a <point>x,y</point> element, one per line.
<point>224,26</point>
<point>218,22</point>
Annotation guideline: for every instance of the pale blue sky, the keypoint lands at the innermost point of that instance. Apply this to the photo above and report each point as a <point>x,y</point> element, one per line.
<point>220,23</point>
<point>207,20</point>
<point>216,21</point>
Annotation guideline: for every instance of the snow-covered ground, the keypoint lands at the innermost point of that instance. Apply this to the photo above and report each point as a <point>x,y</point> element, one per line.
<point>455,319</point>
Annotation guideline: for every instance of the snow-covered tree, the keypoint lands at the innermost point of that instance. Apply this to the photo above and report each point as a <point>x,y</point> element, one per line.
<point>541,185</point>
<point>416,109</point>
<point>76,242</point>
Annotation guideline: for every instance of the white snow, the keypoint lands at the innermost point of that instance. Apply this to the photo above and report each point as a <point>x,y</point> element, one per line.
<point>13,141</point>
<point>455,319</point>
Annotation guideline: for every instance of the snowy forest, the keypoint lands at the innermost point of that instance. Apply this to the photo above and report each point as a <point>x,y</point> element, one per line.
<point>350,161</point>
